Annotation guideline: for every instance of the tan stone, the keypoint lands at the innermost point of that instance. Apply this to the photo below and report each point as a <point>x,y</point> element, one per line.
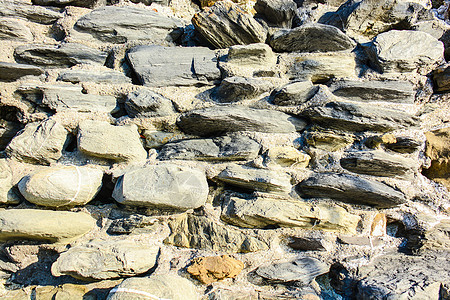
<point>210,269</point>
<point>288,156</point>
<point>378,227</point>
<point>328,141</point>
<point>438,150</point>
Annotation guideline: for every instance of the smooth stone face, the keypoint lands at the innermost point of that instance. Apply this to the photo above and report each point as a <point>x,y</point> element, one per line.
<point>294,93</point>
<point>13,29</point>
<point>117,143</point>
<point>311,38</point>
<point>256,179</point>
<point>226,24</point>
<point>38,14</point>
<point>60,56</point>
<point>277,12</point>
<point>13,71</point>
<point>39,143</point>
<point>437,149</point>
<point>366,91</point>
<point>303,271</point>
<point>115,24</point>
<point>197,232</point>
<point>217,120</point>
<point>267,212</point>
<point>404,51</point>
<point>174,66</point>
<point>163,186</point>
<point>44,225</point>
<point>100,260</point>
<point>351,189</point>
<point>110,77</point>
<point>61,186</point>
<point>233,89</point>
<point>234,147</point>
<point>379,163</point>
<point>214,268</point>
<point>146,103</point>
<point>154,287</point>
<point>354,116</point>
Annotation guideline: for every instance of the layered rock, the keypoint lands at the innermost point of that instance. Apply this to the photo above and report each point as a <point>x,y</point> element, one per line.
<point>214,268</point>
<point>277,12</point>
<point>13,71</point>
<point>24,10</point>
<point>104,76</point>
<point>293,93</point>
<point>146,103</point>
<point>12,29</point>
<point>233,89</point>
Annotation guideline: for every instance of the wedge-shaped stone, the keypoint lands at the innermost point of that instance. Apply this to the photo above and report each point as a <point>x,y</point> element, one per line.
<point>24,10</point>
<point>100,260</point>
<point>61,186</point>
<point>116,24</point>
<point>174,66</point>
<point>162,186</point>
<point>256,179</point>
<point>269,212</point>
<point>64,55</point>
<point>233,89</point>
<point>43,225</point>
<point>13,29</point>
<point>226,24</point>
<point>38,143</point>
<point>217,120</point>
<point>354,116</point>
<point>117,143</point>
<point>104,76</point>
<point>351,189</point>
<point>234,147</point>
<point>202,233</point>
<point>12,71</point>
<point>311,38</point>
<point>379,163</point>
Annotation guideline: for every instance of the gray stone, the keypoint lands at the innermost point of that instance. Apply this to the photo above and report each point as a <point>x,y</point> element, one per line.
<point>294,93</point>
<point>61,186</point>
<point>286,212</point>
<point>174,66</point>
<point>66,97</point>
<point>311,38</point>
<point>24,10</point>
<point>155,286</point>
<point>77,76</point>
<point>234,147</point>
<point>145,103</point>
<point>117,143</point>
<point>114,24</point>
<point>359,117</point>
<point>379,163</point>
<point>277,12</point>
<point>38,143</point>
<point>64,55</point>
<point>44,225</point>
<point>82,3</point>
<point>256,179</point>
<point>162,186</point>
<point>306,243</point>
<point>13,29</point>
<point>197,232</point>
<point>388,91</point>
<point>216,120</point>
<point>13,71</point>
<point>404,145</point>
<point>302,271</point>
<point>233,89</point>
<point>226,24</point>
<point>100,260</point>
<point>400,51</point>
<point>351,189</point>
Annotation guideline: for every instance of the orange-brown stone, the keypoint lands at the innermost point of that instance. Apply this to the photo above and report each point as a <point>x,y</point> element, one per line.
<point>214,268</point>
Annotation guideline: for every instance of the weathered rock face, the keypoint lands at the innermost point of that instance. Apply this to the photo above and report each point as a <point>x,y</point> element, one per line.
<point>125,24</point>
<point>104,76</point>
<point>6,183</point>
<point>327,141</point>
<point>162,186</point>
<point>60,56</point>
<point>351,189</point>
<point>161,286</point>
<point>233,89</point>
<point>55,186</point>
<point>311,38</point>
<point>106,260</point>
<point>437,150</point>
<point>441,78</point>
<point>12,29</point>
<point>264,213</point>
<point>221,119</point>
<point>43,225</point>
<point>294,93</point>
<point>146,103</point>
<point>117,143</point>
<point>404,145</point>
<point>277,12</point>
<point>234,147</point>
<point>288,156</point>
<point>214,268</point>
<point>416,49</point>
<point>38,143</point>
<point>226,24</point>
<point>202,233</point>
<point>23,10</point>
<point>12,71</point>
<point>175,66</point>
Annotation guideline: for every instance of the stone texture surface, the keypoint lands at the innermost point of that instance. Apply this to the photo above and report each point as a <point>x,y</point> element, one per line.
<point>162,186</point>
<point>197,232</point>
<point>437,149</point>
<point>24,10</point>
<point>104,76</point>
<point>6,183</point>
<point>214,268</point>
<point>13,71</point>
<point>441,79</point>
<point>44,225</point>
<point>233,89</point>
<point>277,12</point>
<point>61,186</point>
<point>351,189</point>
<point>146,103</point>
<point>117,143</point>
<point>13,29</point>
<point>293,93</point>
<point>306,243</point>
<point>288,156</point>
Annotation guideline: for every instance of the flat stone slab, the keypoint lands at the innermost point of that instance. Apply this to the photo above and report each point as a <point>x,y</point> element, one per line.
<point>145,103</point>
<point>13,71</point>
<point>104,76</point>
<point>24,10</point>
